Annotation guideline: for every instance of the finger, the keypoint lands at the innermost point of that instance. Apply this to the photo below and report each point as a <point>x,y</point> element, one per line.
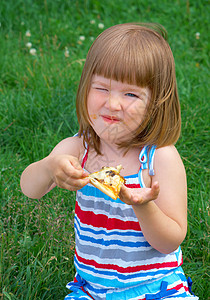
<point>73,184</point>
<point>145,195</point>
<point>73,170</point>
<point>125,194</point>
<point>155,189</point>
<point>75,163</point>
<point>79,183</point>
<point>124,191</point>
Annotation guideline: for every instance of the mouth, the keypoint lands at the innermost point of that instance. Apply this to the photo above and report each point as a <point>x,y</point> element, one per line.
<point>110,119</point>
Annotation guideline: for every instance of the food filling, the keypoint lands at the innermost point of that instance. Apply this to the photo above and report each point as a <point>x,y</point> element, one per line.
<point>109,177</point>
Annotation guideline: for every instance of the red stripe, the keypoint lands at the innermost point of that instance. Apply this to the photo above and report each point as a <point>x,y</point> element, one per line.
<point>85,158</point>
<point>93,263</point>
<point>86,292</point>
<point>133,185</point>
<point>100,220</point>
<point>177,287</point>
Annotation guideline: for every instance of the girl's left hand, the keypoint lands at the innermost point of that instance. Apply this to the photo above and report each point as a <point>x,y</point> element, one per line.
<point>139,196</point>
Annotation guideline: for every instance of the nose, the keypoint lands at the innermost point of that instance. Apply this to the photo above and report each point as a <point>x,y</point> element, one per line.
<point>113,102</point>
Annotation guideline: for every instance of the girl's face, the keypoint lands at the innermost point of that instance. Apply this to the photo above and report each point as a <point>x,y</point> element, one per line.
<point>116,109</point>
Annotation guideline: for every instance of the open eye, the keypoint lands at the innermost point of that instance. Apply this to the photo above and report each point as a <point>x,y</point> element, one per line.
<point>132,95</point>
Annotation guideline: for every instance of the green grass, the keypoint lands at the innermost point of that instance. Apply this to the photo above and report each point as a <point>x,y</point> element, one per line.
<point>37,110</point>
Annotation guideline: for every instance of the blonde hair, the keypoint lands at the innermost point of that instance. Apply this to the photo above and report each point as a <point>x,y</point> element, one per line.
<point>137,54</point>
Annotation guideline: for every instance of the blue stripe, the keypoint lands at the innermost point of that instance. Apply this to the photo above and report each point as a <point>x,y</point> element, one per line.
<point>142,185</point>
<point>177,253</point>
<point>94,290</point>
<point>182,295</point>
<point>114,282</point>
<point>90,190</point>
<point>182,275</point>
<point>101,241</point>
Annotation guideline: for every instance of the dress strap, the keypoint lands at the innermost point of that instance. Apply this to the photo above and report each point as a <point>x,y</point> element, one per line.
<point>143,157</point>
<point>146,158</point>
<point>151,160</point>
<point>85,156</point>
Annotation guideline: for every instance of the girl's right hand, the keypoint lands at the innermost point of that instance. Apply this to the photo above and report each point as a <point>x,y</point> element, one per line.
<point>61,167</point>
<point>66,172</point>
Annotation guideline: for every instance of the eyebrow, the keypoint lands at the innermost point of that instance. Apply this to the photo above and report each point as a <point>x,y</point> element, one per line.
<point>138,90</point>
<point>127,87</point>
<point>101,83</point>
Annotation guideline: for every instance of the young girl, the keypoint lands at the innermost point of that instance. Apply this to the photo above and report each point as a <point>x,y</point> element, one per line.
<point>129,114</point>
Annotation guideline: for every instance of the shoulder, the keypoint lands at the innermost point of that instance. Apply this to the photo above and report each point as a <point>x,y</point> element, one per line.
<point>168,155</point>
<point>168,164</point>
<point>70,146</point>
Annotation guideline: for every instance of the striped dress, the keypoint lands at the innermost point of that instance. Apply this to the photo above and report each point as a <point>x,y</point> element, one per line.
<point>112,258</point>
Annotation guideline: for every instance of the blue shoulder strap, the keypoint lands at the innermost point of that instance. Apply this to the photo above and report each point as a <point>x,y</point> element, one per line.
<point>151,160</point>
<point>143,157</point>
<point>146,157</point>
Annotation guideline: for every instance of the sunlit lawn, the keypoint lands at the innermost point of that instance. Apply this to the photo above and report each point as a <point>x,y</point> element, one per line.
<point>37,110</point>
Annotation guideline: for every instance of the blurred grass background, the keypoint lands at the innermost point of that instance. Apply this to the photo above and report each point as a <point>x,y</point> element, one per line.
<point>37,110</point>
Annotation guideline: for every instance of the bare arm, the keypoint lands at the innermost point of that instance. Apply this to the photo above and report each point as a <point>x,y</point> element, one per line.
<point>162,213</point>
<point>61,168</point>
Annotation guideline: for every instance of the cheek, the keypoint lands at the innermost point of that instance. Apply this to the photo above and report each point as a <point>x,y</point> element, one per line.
<point>135,111</point>
<point>92,102</point>
<point>93,108</point>
<point>90,106</point>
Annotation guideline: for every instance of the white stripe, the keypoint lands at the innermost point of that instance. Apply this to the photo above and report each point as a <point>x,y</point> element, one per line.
<point>132,180</point>
<point>111,277</point>
<point>137,298</point>
<point>123,207</point>
<point>97,295</point>
<point>96,236</point>
<point>123,264</point>
<point>86,149</point>
<point>181,298</point>
<point>180,256</point>
<point>113,246</point>
<point>142,180</point>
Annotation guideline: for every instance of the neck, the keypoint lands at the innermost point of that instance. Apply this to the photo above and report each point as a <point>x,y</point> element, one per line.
<point>111,148</point>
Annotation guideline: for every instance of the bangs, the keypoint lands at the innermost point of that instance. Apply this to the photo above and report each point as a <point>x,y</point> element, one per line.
<point>126,58</point>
